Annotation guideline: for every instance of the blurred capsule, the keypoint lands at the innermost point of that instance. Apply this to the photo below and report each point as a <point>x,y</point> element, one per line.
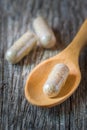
<point>21,47</point>
<point>44,32</point>
<point>56,80</point>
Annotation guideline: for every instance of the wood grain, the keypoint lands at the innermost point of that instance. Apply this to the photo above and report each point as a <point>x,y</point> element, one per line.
<point>16,113</point>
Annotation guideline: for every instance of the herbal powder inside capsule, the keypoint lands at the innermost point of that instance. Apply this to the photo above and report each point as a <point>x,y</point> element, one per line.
<point>56,80</point>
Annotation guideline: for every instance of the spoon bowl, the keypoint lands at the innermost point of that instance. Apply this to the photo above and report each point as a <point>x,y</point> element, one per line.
<point>38,76</point>
<point>36,79</point>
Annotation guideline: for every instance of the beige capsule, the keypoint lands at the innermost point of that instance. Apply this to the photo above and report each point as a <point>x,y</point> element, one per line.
<point>44,32</point>
<point>56,80</point>
<point>21,47</point>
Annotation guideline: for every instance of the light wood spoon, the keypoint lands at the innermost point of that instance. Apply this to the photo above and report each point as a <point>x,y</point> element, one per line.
<point>70,57</point>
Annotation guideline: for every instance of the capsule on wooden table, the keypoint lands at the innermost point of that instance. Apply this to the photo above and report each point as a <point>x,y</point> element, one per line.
<point>21,47</point>
<point>44,32</point>
<point>56,80</point>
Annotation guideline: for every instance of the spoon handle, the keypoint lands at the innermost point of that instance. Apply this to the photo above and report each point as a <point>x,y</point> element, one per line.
<point>79,41</point>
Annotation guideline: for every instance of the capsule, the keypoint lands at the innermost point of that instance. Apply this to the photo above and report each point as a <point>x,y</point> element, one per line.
<point>56,80</point>
<point>44,32</point>
<point>21,47</point>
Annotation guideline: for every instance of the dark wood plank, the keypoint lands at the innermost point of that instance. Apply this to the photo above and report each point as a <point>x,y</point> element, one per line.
<point>16,113</point>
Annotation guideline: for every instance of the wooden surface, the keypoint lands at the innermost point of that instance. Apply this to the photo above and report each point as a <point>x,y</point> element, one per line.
<point>16,113</point>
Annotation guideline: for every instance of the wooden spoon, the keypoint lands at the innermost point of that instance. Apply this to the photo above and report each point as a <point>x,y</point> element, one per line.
<point>70,56</point>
